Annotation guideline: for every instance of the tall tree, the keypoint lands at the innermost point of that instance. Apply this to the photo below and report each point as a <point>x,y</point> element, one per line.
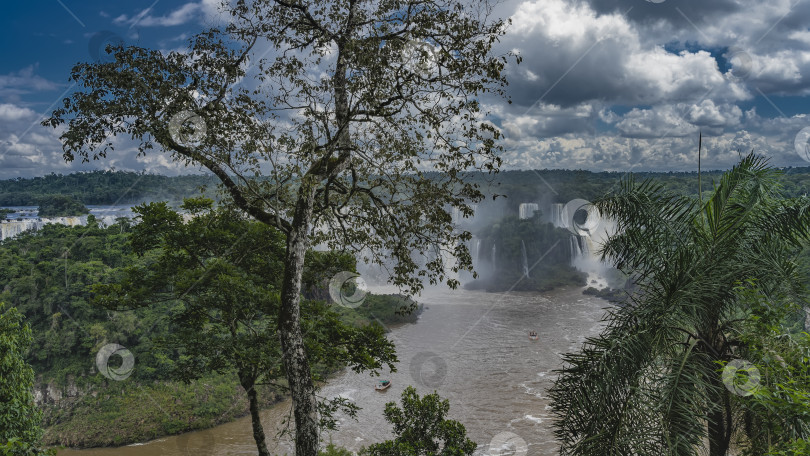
<point>651,383</point>
<point>19,418</point>
<point>362,120</point>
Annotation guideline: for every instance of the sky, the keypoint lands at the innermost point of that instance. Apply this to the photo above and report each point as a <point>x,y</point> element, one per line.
<point>611,85</point>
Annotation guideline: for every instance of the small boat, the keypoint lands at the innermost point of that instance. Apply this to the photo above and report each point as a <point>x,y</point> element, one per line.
<point>383,385</point>
<point>533,335</point>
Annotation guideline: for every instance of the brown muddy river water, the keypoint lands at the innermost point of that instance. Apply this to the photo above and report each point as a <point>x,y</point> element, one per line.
<point>472,347</point>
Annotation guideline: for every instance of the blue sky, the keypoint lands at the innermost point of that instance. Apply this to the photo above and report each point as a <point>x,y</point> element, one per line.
<point>604,84</point>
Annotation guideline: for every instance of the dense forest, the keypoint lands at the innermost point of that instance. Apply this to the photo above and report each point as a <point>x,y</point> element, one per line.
<point>64,281</point>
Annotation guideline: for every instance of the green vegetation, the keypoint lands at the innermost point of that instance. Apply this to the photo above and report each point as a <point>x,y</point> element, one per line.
<point>4,213</point>
<point>221,274</point>
<point>776,417</point>
<point>547,253</point>
<point>102,187</point>
<point>140,411</point>
<point>421,429</point>
<point>387,309</point>
<point>51,276</point>
<point>19,418</point>
<point>60,206</point>
<point>717,284</point>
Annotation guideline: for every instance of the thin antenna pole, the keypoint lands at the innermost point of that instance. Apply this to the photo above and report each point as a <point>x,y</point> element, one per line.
<point>700,184</point>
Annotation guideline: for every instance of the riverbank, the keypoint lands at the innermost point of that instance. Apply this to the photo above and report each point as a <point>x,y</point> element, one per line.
<point>125,413</point>
<point>542,279</point>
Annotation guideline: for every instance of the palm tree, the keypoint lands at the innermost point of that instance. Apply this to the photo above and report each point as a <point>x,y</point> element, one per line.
<point>650,384</point>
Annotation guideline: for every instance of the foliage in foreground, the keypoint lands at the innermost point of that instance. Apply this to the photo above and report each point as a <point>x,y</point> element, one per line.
<point>421,429</point>
<point>775,415</point>
<point>651,383</point>
<point>221,272</point>
<point>19,418</point>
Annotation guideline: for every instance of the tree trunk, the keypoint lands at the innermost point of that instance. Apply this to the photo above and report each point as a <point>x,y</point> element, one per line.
<point>258,431</point>
<point>294,357</point>
<point>305,405</point>
<point>719,427</point>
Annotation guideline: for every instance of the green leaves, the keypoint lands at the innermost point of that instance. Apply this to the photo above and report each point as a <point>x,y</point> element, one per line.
<point>422,430</point>
<point>650,383</point>
<point>19,417</point>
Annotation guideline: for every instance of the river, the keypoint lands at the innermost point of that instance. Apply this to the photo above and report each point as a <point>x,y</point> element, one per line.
<point>470,346</point>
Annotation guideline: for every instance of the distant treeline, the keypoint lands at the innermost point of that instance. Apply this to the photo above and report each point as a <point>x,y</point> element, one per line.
<point>104,187</point>
<point>111,187</point>
<point>552,185</point>
<point>561,186</point>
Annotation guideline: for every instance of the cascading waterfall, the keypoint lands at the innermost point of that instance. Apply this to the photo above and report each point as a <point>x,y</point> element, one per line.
<point>576,250</point>
<point>492,259</point>
<point>581,247</point>
<point>525,259</point>
<point>477,250</point>
<point>13,228</point>
<point>558,216</point>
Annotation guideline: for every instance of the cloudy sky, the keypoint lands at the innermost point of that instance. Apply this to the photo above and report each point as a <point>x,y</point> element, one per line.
<point>604,84</point>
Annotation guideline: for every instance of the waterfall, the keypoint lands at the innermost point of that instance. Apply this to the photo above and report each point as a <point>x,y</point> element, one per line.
<point>492,259</point>
<point>526,210</point>
<point>559,218</point>
<point>13,228</point>
<point>576,249</point>
<point>477,250</point>
<point>585,245</point>
<point>525,259</point>
<point>107,220</point>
